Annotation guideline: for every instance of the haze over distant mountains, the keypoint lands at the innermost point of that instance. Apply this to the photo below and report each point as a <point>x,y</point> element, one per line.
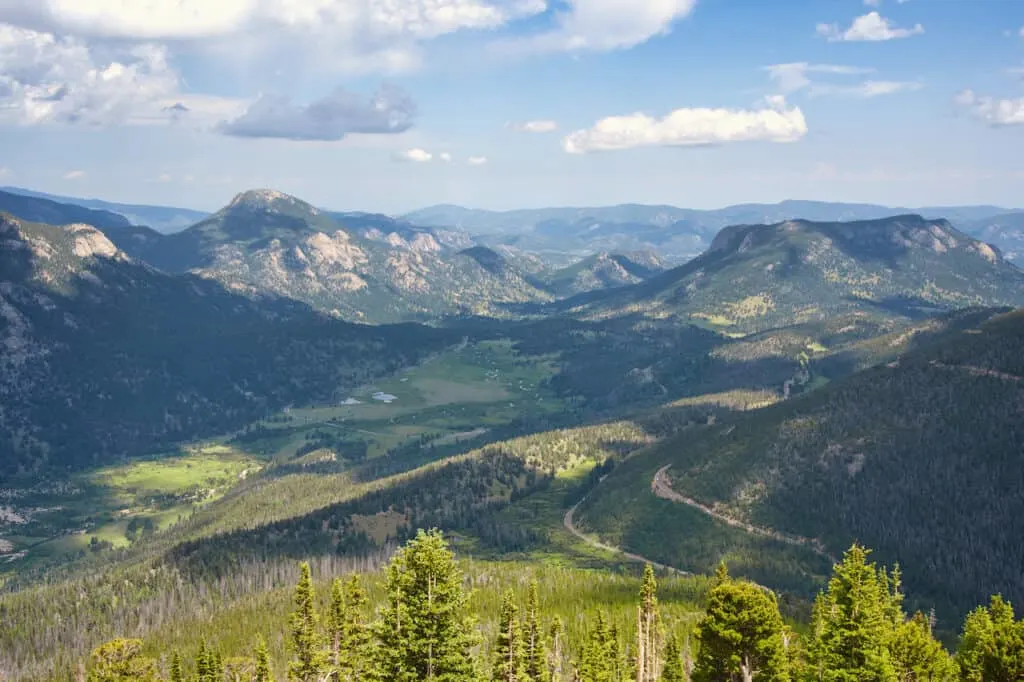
<point>566,234</point>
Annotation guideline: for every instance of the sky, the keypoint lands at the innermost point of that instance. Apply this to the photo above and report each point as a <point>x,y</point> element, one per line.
<point>392,105</point>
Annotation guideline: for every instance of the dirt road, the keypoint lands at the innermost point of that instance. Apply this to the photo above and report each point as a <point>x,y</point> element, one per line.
<point>661,487</point>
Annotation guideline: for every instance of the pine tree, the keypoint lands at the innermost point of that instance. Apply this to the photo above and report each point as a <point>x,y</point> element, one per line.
<point>741,636</point>
<point>536,652</point>
<point>336,620</point>
<point>308,661</point>
<point>598,662</point>
<point>355,650</point>
<point>121,660</point>
<point>424,633</point>
<point>177,675</point>
<point>204,664</point>
<point>992,644</point>
<point>673,670</point>
<point>647,623</point>
<point>216,667</point>
<point>917,655</point>
<point>262,656</point>
<point>556,657</point>
<point>509,653</point>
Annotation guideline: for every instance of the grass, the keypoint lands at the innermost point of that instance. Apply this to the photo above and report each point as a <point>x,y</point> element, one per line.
<point>456,396</point>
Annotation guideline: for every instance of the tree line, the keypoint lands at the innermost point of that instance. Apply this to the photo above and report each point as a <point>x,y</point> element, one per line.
<point>424,630</point>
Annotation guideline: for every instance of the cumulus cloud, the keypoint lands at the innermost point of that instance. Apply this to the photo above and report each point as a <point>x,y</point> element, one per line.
<point>600,25</point>
<point>45,79</point>
<point>871,27</point>
<point>777,122</point>
<point>534,127</point>
<point>5,172</point>
<point>415,155</point>
<point>333,117</point>
<point>477,160</point>
<point>444,156</point>
<point>199,19</point>
<point>74,175</point>
<point>995,112</point>
<point>333,34</point>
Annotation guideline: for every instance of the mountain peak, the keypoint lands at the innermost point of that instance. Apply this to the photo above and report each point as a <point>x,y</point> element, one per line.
<point>269,200</point>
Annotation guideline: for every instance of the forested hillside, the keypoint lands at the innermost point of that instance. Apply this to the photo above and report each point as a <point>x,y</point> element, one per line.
<point>883,457</point>
<point>758,277</point>
<point>429,618</point>
<point>106,358</point>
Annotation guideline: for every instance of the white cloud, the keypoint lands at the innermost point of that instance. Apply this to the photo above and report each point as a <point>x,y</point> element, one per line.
<point>688,127</point>
<point>199,19</point>
<point>477,160</point>
<point>415,155</point>
<point>868,88</point>
<point>444,156</point>
<point>5,172</point>
<point>534,127</point>
<point>996,112</point>
<point>873,3</point>
<point>331,118</point>
<point>795,75</point>
<point>332,35</point>
<point>600,25</point>
<point>871,27</point>
<point>74,175</point>
<point>45,78</point>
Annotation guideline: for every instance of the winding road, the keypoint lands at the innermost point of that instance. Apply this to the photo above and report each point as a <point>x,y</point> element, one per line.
<point>570,526</point>
<point>661,487</point>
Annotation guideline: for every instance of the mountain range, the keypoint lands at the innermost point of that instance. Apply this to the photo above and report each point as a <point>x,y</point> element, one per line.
<point>178,408</point>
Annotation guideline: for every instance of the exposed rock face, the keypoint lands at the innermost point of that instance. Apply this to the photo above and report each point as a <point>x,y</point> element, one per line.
<point>90,242</point>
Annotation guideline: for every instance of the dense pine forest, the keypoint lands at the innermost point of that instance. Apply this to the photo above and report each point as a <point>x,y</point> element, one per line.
<point>415,621</point>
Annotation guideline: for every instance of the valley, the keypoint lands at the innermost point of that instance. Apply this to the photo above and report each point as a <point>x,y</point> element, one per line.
<point>188,416</point>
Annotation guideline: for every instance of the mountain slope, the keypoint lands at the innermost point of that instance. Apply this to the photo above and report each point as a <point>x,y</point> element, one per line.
<point>756,277</point>
<point>1005,231</point>
<point>160,218</point>
<point>103,357</point>
<point>358,266</point>
<point>879,457</point>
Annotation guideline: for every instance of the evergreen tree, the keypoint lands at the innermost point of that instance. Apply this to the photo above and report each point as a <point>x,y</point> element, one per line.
<point>336,619</point>
<point>262,668</point>
<point>509,661</point>
<point>741,636</point>
<point>673,670</point>
<point>121,660</point>
<point>424,633</point>
<point>853,623</point>
<point>204,663</point>
<point>216,667</point>
<point>556,656</point>
<point>992,644</point>
<point>598,663</point>
<point>177,675</point>
<point>916,654</point>
<point>647,645</point>
<point>355,644</point>
<point>307,662</point>
<point>536,652</point>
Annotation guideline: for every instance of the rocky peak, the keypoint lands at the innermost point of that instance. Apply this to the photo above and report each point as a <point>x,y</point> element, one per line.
<point>269,200</point>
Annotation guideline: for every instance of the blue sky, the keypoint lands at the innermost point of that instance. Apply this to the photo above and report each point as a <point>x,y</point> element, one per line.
<point>389,105</point>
